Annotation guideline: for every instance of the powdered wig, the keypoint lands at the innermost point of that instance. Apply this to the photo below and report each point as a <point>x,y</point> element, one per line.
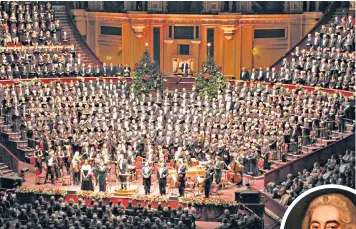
<point>345,205</point>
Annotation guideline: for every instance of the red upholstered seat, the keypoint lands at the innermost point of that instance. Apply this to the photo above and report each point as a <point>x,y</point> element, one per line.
<point>39,176</point>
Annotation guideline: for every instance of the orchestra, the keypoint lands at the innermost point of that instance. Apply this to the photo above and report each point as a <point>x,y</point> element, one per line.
<point>91,171</point>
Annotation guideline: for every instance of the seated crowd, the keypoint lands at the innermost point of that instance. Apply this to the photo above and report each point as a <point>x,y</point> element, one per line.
<point>104,120</point>
<point>29,23</point>
<point>34,45</point>
<point>51,62</point>
<point>327,60</point>
<point>59,214</point>
<point>338,170</point>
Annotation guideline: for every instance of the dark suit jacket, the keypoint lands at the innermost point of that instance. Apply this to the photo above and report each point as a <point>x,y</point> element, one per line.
<point>186,65</point>
<point>147,172</point>
<point>164,173</point>
<point>122,170</point>
<point>245,75</point>
<point>104,72</point>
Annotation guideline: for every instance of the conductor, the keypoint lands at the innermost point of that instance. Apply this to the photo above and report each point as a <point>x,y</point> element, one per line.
<point>122,171</point>
<point>208,179</point>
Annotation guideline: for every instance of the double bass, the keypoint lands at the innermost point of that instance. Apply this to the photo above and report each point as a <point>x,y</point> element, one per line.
<point>235,171</point>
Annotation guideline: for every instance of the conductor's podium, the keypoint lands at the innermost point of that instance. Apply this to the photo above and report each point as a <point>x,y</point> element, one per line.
<point>130,191</point>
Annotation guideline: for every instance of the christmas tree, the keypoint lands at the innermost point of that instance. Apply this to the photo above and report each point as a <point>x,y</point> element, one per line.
<point>147,77</point>
<point>210,79</point>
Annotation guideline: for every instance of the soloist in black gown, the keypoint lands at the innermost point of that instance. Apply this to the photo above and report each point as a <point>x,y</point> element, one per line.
<point>87,184</point>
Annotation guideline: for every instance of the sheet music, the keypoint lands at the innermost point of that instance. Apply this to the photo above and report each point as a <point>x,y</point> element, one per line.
<point>199,179</point>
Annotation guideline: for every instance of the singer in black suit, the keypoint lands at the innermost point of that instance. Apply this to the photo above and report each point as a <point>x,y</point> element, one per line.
<point>146,178</point>
<point>185,67</point>
<point>162,178</point>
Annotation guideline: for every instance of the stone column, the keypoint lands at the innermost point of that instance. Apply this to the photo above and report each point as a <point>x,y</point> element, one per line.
<point>92,34</point>
<point>95,6</point>
<point>133,6</point>
<point>246,6</point>
<point>165,6</point>
<point>317,4</point>
<point>295,7</point>
<point>196,56</point>
<point>230,6</point>
<point>287,7</point>
<point>238,6</point>
<point>222,4</point>
<point>205,6</point>
<point>168,60</point>
<point>127,6</point>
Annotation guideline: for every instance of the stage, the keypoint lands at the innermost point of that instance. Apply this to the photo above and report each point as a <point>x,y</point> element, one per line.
<point>227,194</point>
<point>205,214</point>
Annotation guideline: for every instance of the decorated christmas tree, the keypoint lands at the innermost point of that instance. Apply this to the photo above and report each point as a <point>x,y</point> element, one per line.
<point>147,76</point>
<point>210,79</point>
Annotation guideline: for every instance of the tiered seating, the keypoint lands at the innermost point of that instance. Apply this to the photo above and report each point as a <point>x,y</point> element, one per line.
<point>338,170</point>
<point>327,60</point>
<point>243,126</point>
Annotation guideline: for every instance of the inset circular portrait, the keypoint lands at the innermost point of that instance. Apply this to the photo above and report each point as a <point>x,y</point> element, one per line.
<point>323,207</point>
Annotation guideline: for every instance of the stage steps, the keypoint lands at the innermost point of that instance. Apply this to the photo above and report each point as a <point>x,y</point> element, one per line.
<point>75,37</point>
<point>5,170</point>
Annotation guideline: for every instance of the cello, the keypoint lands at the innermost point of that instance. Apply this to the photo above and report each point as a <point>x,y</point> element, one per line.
<point>235,170</point>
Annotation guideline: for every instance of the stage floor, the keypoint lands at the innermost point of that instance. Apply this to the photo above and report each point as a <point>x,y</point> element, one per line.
<point>227,194</point>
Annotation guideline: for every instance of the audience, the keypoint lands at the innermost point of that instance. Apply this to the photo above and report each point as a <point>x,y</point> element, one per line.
<point>338,170</point>
<point>34,45</point>
<point>327,60</point>
<point>59,214</point>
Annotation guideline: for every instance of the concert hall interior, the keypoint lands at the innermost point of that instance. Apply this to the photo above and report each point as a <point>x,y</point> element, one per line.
<point>172,114</point>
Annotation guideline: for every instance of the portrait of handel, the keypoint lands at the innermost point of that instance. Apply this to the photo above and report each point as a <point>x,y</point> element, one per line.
<point>330,211</point>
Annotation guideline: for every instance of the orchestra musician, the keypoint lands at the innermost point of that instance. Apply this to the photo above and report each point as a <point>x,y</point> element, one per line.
<point>146,177</point>
<point>208,179</point>
<point>38,156</point>
<point>59,159</point>
<point>219,165</point>
<point>87,184</point>
<point>182,170</point>
<point>162,178</point>
<point>50,161</point>
<point>75,168</point>
<point>235,168</point>
<point>252,157</point>
<point>121,171</point>
<point>67,158</point>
